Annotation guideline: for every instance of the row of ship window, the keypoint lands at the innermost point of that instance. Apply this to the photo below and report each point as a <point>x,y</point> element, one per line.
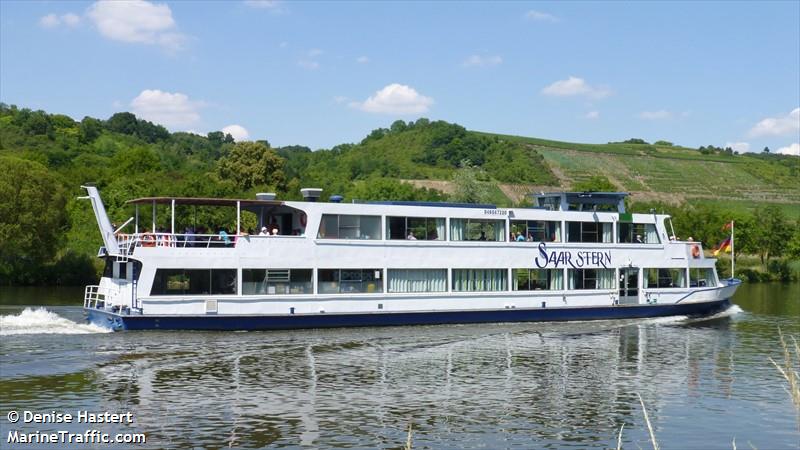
<point>347,281</point>
<point>340,226</point>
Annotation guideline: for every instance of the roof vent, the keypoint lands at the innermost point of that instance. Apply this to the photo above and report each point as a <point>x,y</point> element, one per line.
<point>311,194</point>
<point>265,196</point>
<point>335,199</point>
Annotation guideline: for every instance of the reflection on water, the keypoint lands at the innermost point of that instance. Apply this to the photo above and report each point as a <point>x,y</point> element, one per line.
<point>467,386</point>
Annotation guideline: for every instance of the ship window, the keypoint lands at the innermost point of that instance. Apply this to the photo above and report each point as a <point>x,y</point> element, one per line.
<point>477,280</point>
<point>591,278</point>
<point>638,233</point>
<point>350,281</point>
<point>341,226</point>
<point>702,278</point>
<point>477,230</point>
<point>536,230</point>
<point>538,279</point>
<point>589,232</point>
<point>194,282</point>
<point>665,278</point>
<point>418,228</point>
<point>417,280</point>
<point>276,281</point>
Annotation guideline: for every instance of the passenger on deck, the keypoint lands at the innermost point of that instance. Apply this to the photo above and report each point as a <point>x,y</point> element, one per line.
<point>639,239</point>
<point>223,236</point>
<point>189,237</point>
<point>411,236</point>
<point>483,236</point>
<point>148,240</point>
<point>273,228</point>
<point>263,232</point>
<point>520,238</point>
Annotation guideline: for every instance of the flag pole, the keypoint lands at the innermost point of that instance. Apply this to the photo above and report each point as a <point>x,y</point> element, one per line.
<point>733,255</point>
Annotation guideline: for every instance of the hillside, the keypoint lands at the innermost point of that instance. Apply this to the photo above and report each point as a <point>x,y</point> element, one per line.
<point>46,157</point>
<point>675,174</point>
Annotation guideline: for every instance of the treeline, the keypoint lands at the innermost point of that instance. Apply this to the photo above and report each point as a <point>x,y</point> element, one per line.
<point>766,240</point>
<point>47,236</point>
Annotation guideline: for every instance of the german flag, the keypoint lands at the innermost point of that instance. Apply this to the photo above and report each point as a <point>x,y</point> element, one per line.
<point>724,246</point>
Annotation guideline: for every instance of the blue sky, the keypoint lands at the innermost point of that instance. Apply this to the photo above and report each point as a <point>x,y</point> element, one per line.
<point>324,73</point>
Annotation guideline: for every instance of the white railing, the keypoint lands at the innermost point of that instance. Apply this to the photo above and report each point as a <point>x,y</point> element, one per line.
<point>128,242</point>
<point>92,295</point>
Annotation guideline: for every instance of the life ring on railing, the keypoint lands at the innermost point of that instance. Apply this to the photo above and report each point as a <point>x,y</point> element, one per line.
<point>695,251</point>
<point>303,219</point>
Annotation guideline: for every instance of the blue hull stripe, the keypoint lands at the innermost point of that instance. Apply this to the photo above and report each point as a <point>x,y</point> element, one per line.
<point>329,320</point>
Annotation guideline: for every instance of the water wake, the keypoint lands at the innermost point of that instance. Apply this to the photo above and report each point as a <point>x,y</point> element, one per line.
<point>42,321</point>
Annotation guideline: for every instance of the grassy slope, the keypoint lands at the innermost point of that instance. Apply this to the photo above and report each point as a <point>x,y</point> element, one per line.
<point>676,174</point>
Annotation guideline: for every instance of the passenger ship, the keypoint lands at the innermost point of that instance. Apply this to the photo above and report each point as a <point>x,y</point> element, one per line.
<point>572,256</point>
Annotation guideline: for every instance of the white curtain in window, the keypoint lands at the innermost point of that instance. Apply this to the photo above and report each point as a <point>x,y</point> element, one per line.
<point>557,233</point>
<point>607,232</point>
<point>457,227</point>
<point>440,229</point>
<point>605,278</point>
<point>479,280</point>
<point>557,279</point>
<point>573,276</point>
<point>417,280</point>
<point>499,230</point>
<point>679,277</point>
<point>650,234</point>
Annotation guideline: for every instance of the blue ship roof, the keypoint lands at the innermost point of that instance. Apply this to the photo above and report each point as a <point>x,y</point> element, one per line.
<point>436,204</point>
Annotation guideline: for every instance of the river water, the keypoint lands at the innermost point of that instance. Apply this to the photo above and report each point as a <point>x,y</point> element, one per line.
<point>704,383</point>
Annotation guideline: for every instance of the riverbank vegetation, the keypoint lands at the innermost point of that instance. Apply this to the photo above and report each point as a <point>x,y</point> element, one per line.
<point>48,236</point>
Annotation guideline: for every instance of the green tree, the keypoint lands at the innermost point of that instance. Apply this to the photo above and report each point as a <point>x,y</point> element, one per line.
<point>467,187</point>
<point>32,218</point>
<point>595,183</point>
<point>89,130</point>
<point>773,232</point>
<point>253,164</point>
<point>793,247</point>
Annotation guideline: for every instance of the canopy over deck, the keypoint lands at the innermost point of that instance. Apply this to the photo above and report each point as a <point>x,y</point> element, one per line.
<point>204,201</point>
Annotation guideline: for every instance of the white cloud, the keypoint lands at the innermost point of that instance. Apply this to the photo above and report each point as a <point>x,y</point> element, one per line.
<point>793,149</point>
<point>592,115</point>
<point>274,5</point>
<point>395,99</point>
<point>136,21</point>
<point>168,109</point>
<point>573,86</point>
<point>661,114</point>
<point>741,147</point>
<point>71,20</point>
<point>51,20</point>
<point>238,132</point>
<point>362,59</point>
<point>340,99</point>
<point>308,64</point>
<point>540,16</point>
<point>778,126</point>
<point>314,52</point>
<point>482,61</point>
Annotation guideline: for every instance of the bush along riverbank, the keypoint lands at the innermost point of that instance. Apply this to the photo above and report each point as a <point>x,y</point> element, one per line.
<point>750,269</point>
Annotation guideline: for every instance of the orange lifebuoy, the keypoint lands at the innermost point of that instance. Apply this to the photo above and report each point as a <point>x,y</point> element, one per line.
<point>695,251</point>
<point>303,219</point>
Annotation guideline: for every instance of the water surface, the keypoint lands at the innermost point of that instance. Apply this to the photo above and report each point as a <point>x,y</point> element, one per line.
<point>703,382</point>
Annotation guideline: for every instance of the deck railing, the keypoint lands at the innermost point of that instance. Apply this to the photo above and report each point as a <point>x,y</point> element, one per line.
<point>92,295</point>
<point>128,242</point>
